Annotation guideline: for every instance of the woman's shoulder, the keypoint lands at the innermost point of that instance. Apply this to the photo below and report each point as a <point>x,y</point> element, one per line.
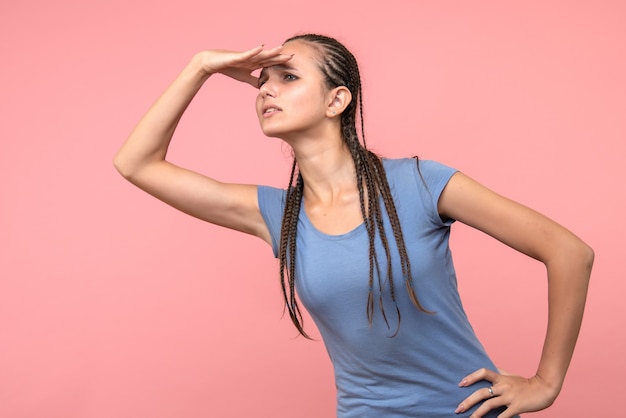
<point>417,165</point>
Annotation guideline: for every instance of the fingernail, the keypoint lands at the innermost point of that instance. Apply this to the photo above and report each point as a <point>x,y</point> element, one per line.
<point>459,409</point>
<point>463,382</point>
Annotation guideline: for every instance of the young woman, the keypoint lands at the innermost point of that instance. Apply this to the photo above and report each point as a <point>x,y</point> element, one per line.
<point>365,240</point>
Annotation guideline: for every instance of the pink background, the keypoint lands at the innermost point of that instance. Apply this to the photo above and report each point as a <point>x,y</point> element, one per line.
<point>115,305</point>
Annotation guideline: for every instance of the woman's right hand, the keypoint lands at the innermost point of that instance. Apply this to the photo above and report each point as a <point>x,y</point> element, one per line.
<point>240,64</point>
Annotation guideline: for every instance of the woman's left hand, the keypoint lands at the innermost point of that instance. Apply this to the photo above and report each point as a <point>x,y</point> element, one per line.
<point>518,394</point>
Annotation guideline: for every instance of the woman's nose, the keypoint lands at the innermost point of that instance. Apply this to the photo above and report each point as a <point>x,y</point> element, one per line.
<point>267,89</point>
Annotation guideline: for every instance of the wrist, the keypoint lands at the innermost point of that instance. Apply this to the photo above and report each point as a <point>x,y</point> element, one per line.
<point>552,385</point>
<point>198,65</point>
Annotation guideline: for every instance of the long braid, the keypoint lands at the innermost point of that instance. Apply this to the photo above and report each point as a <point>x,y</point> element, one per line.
<point>340,69</point>
<point>390,207</point>
<point>287,249</point>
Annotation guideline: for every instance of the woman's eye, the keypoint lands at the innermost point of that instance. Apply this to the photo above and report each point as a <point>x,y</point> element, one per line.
<point>290,77</point>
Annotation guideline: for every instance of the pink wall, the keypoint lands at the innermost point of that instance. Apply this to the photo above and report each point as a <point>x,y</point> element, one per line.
<point>114,305</point>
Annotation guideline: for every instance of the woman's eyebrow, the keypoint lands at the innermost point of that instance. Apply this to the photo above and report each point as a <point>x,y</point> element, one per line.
<point>284,66</point>
<point>279,67</point>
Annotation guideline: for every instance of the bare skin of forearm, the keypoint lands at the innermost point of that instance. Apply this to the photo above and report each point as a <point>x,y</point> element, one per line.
<point>150,139</point>
<point>568,280</point>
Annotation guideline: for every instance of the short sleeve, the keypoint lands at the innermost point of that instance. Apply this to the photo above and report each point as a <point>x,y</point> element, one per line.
<point>432,178</point>
<point>271,204</point>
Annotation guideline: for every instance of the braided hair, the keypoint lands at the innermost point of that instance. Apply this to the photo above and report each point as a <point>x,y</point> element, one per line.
<point>340,68</point>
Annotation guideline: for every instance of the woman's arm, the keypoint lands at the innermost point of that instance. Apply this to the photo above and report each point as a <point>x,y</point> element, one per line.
<point>568,261</point>
<point>142,158</point>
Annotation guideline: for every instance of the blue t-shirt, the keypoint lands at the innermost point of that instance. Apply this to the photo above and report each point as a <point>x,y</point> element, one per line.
<point>416,373</point>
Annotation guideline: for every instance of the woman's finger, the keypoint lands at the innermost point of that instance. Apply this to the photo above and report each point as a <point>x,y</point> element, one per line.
<point>478,375</point>
<point>489,405</point>
<point>488,396</point>
<point>256,56</point>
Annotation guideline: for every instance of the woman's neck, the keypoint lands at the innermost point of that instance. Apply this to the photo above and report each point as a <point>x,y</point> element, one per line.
<point>327,169</point>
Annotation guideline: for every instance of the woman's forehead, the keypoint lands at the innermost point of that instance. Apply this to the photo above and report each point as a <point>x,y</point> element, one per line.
<point>302,52</point>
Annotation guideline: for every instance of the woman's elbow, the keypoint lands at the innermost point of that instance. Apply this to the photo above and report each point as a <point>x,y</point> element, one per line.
<point>581,255</point>
<point>571,254</point>
<point>125,166</point>
<point>120,166</point>
<point>588,256</point>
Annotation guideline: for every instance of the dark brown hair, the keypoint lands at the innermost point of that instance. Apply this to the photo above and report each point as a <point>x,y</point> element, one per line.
<point>340,68</point>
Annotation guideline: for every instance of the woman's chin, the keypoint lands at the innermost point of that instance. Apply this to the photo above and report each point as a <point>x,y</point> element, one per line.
<point>271,133</point>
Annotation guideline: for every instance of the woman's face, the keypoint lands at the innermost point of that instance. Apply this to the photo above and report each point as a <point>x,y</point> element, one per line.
<point>293,97</point>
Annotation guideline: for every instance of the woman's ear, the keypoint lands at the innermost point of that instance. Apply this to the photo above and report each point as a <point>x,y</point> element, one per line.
<point>339,98</point>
